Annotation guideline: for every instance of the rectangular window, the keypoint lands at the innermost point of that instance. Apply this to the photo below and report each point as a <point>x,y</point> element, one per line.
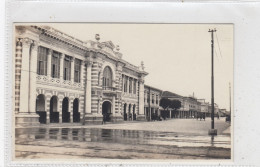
<point>130,86</point>
<point>77,70</point>
<point>55,65</point>
<point>153,99</point>
<point>42,61</point>
<point>125,85</point>
<point>67,67</point>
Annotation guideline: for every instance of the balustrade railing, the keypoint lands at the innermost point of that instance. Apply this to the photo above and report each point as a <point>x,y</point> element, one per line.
<point>110,88</point>
<point>57,81</point>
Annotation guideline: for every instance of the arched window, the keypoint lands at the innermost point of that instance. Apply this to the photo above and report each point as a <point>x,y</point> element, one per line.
<point>107,77</point>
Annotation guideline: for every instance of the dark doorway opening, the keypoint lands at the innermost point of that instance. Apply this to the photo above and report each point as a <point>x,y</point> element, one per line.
<point>54,115</point>
<point>40,108</point>
<point>125,114</point>
<point>65,110</point>
<point>106,111</point>
<point>76,114</point>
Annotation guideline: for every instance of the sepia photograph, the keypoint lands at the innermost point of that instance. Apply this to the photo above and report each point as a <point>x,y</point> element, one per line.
<point>111,91</point>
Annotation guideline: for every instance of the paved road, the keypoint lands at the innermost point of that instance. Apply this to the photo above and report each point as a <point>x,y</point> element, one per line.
<point>171,139</point>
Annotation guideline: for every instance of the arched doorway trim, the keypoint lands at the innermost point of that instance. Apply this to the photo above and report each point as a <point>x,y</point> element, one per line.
<point>65,110</point>
<point>54,114</point>
<point>106,110</point>
<point>76,113</point>
<point>40,108</point>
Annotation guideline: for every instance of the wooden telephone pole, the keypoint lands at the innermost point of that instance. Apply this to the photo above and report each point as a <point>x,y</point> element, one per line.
<point>212,131</point>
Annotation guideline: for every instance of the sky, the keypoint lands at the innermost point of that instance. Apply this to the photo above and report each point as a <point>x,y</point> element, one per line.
<point>176,56</point>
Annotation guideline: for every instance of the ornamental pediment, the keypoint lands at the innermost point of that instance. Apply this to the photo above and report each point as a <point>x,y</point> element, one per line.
<point>109,44</point>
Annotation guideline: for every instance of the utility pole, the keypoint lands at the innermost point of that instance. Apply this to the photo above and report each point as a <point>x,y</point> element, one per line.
<point>212,131</point>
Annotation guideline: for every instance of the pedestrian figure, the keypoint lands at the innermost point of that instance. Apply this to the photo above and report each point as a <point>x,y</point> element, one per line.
<point>200,117</point>
<point>204,117</point>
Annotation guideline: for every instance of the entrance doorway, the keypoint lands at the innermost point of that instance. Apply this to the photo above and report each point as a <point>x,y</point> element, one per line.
<point>134,114</point>
<point>40,108</point>
<point>54,115</point>
<point>125,114</point>
<point>76,114</point>
<point>65,110</point>
<point>106,111</point>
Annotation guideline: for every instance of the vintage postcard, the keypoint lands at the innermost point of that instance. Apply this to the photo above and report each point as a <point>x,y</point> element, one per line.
<point>107,91</point>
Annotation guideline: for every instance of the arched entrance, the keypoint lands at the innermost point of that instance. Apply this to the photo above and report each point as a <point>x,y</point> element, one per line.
<point>134,114</point>
<point>106,111</point>
<point>125,113</point>
<point>76,114</point>
<point>129,114</point>
<point>40,108</point>
<point>65,110</point>
<point>54,115</point>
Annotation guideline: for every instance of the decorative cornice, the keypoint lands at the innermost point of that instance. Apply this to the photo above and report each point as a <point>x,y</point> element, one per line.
<point>26,42</point>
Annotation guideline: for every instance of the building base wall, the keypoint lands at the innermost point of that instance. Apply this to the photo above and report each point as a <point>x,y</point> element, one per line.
<point>93,119</point>
<point>27,120</point>
<point>116,119</point>
<point>140,118</point>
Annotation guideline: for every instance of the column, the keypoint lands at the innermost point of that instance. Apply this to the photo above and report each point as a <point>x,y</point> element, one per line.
<point>72,70</point>
<point>49,57</point>
<point>47,109</point>
<point>132,92</point>
<point>128,112</point>
<point>132,112</point>
<point>32,80</point>
<point>127,84</point>
<point>71,116</point>
<point>170,114</point>
<point>88,88</point>
<point>61,65</point>
<point>123,82</point>
<point>71,110</point>
<point>81,72</point>
<point>98,110</point>
<point>24,84</point>
<point>114,105</point>
<point>141,97</point>
<point>150,111</point>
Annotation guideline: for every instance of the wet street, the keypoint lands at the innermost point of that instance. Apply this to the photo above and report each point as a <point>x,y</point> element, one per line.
<point>109,141</point>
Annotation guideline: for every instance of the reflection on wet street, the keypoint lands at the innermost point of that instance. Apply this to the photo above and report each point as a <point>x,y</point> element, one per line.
<point>84,143</point>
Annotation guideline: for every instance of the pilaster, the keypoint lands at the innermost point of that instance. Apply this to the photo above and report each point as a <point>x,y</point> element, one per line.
<point>72,70</point>
<point>61,65</point>
<point>49,57</point>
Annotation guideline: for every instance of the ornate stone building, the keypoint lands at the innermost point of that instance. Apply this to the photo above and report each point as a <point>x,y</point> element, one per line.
<point>61,79</point>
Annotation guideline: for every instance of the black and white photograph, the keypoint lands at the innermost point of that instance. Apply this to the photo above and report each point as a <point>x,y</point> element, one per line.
<point>95,91</point>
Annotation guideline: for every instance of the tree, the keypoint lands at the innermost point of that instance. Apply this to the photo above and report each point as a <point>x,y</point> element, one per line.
<point>175,104</point>
<point>164,103</point>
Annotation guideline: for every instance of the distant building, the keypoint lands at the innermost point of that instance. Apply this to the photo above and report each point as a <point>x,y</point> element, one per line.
<point>190,106</point>
<point>152,98</point>
<point>204,107</point>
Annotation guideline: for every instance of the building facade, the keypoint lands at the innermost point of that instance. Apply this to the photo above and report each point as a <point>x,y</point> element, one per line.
<point>190,106</point>
<point>61,79</point>
<point>152,98</point>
